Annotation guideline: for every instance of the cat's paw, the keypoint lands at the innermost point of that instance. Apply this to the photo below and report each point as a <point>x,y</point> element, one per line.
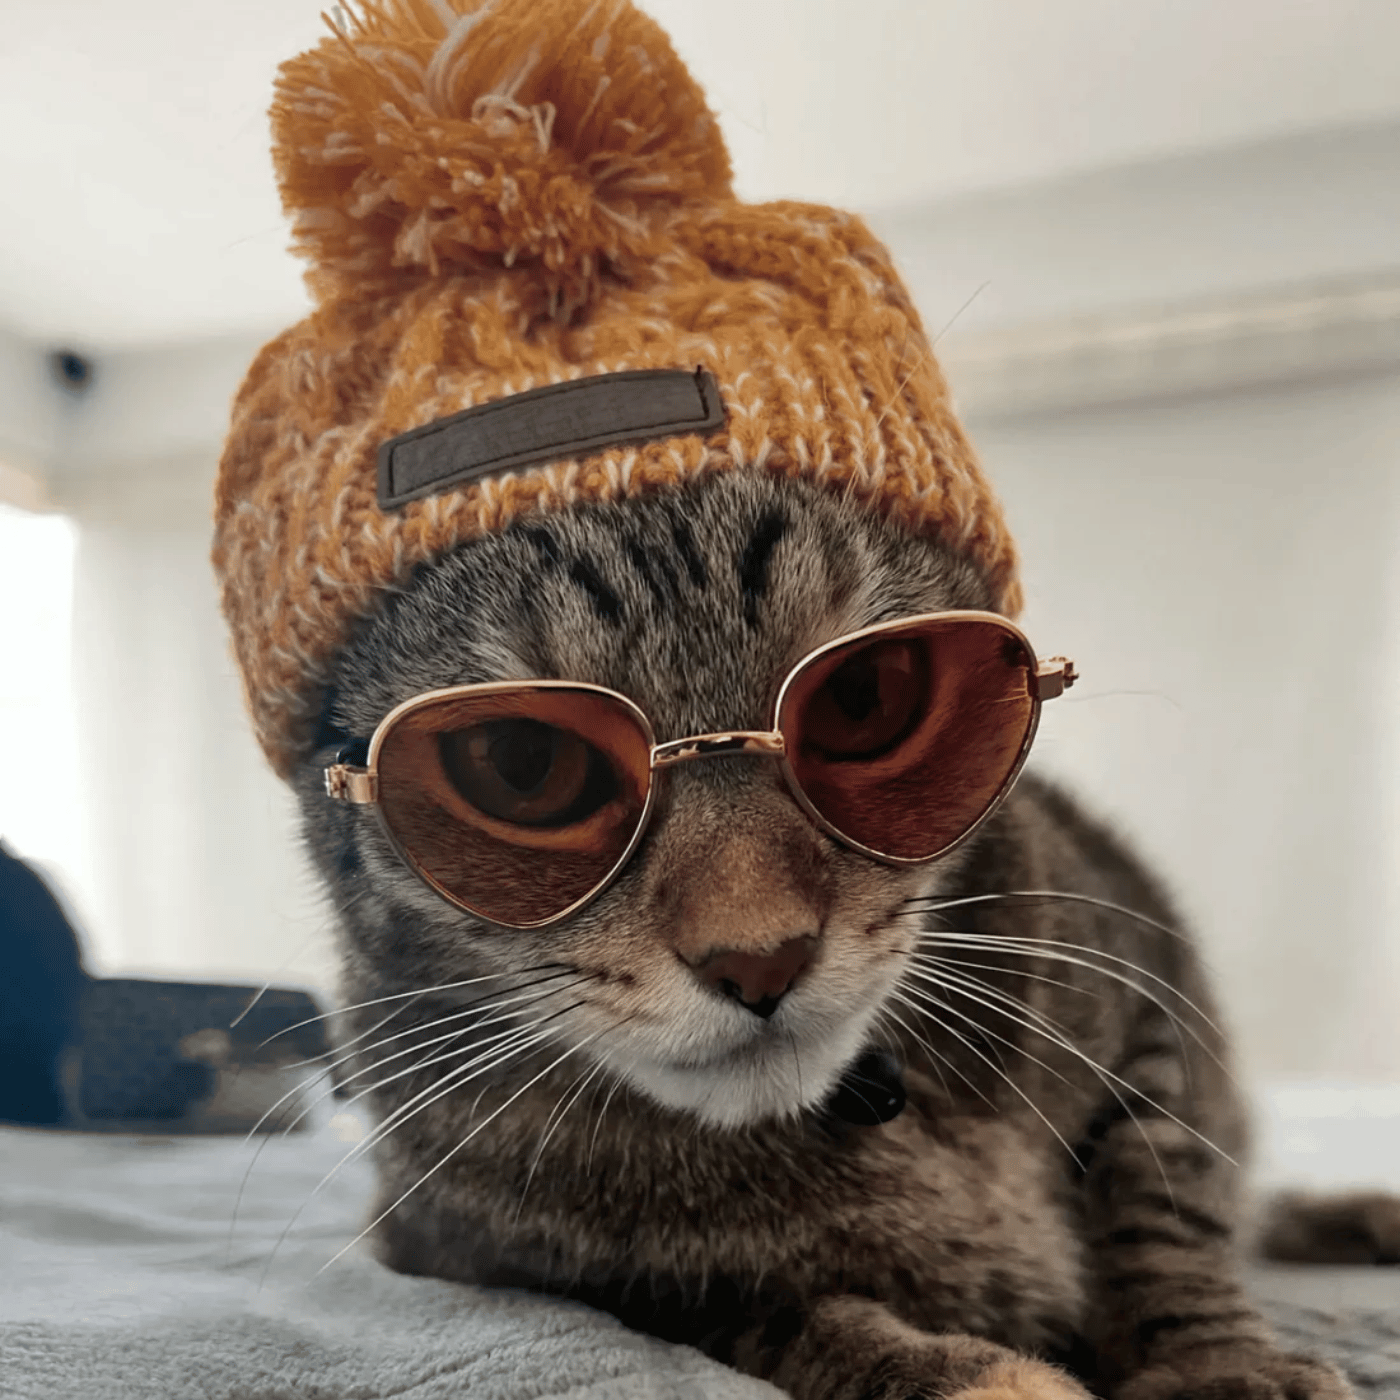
<point>1022,1380</point>
<point>1271,1376</point>
<point>854,1348</point>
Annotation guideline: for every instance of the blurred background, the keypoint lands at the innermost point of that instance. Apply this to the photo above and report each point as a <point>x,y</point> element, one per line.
<point>1159,242</point>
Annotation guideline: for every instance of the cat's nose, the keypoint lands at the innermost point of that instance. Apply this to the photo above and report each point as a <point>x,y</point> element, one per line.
<point>757,981</point>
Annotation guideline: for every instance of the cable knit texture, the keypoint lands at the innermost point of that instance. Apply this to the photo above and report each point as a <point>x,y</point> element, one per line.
<point>499,196</point>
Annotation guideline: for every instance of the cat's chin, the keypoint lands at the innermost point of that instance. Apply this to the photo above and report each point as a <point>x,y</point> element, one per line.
<point>768,1080</point>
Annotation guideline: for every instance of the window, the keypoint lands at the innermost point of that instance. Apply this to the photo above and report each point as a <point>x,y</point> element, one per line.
<point>40,810</point>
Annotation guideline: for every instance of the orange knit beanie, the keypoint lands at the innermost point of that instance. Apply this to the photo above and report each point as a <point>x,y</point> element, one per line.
<point>503,195</point>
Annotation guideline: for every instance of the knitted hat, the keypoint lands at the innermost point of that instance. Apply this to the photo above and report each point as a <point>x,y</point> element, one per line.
<point>501,195</point>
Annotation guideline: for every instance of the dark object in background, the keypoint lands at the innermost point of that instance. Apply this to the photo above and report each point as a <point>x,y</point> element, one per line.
<point>41,981</point>
<point>73,371</point>
<point>125,1054</point>
<point>190,1057</point>
<point>1304,1227</point>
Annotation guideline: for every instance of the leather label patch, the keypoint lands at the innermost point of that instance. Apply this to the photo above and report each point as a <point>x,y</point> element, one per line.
<point>549,424</point>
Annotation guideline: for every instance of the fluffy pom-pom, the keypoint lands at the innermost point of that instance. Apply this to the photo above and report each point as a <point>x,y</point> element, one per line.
<point>439,135</point>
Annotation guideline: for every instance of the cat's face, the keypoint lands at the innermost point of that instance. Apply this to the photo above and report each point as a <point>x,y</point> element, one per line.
<point>694,605</point>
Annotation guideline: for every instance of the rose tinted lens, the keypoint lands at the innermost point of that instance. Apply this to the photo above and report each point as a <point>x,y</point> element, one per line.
<point>516,804</point>
<point>902,741</point>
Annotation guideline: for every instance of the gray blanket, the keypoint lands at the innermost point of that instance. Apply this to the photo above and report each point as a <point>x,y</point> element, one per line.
<point>121,1277</point>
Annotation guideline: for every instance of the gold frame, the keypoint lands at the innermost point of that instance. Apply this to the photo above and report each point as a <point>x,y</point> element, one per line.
<point>360,784</point>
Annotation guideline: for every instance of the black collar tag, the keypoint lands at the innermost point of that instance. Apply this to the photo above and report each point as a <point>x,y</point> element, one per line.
<point>870,1092</point>
<point>549,424</point>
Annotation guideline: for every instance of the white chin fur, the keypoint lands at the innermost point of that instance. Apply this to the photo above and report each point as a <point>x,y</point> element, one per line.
<point>775,1077</point>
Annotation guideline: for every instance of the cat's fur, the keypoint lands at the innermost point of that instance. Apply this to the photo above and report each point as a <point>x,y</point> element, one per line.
<point>1059,1186</point>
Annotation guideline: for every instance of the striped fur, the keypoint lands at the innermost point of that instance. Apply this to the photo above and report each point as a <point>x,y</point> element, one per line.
<point>1060,1197</point>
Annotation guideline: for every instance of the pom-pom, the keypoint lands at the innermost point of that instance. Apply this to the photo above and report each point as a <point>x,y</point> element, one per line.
<point>438,135</point>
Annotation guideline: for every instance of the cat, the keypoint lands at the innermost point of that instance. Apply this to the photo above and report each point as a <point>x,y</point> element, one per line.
<point>573,1109</point>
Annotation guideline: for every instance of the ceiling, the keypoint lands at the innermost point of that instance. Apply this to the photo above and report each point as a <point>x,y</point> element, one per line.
<point>136,200</point>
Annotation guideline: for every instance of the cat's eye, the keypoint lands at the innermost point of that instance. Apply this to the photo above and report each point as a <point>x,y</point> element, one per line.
<point>520,801</point>
<point>869,702</point>
<point>514,801</point>
<point>527,772</point>
<point>951,718</point>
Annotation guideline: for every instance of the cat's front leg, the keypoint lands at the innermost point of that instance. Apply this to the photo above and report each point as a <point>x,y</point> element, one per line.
<point>1172,1320</point>
<point>843,1347</point>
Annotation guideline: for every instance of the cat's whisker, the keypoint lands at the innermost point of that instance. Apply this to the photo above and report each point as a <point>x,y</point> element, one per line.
<point>552,1120</point>
<point>505,1045</point>
<point>1040,948</point>
<point>894,1039</point>
<point>552,1123</point>
<point>916,993</point>
<point>1106,1076</point>
<point>1172,1019</point>
<point>329,1070</point>
<point>475,1008</point>
<point>592,1104</point>
<point>501,1050</point>
<point>462,1007</point>
<point>492,1013</point>
<point>1027,945</point>
<point>932,1004</point>
<point>416,992</point>
<point>1020,1017</point>
<point>602,1116</point>
<point>1031,1019</point>
<point>962,1074</point>
<point>345,1045</point>
<point>1007,940</point>
<point>1056,1040</point>
<point>921,993</point>
<point>992,1065</point>
<point>448,1156</point>
<point>796,1064</point>
<point>957,315</point>
<point>903,384</point>
<point>1061,1038</point>
<point>927,351</point>
<point>529,1037</point>
<point>485,1046</point>
<point>380,1132</point>
<point>1020,973</point>
<point>938,976</point>
<point>936,904</point>
<point>1002,940</point>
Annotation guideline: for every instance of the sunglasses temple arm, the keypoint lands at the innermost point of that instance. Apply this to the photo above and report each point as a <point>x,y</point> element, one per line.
<point>347,782</point>
<point>1054,677</point>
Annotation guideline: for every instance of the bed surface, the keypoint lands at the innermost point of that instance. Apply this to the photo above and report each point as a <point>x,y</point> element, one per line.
<point>120,1277</point>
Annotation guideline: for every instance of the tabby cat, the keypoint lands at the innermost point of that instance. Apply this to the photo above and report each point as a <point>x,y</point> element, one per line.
<point>589,1109</point>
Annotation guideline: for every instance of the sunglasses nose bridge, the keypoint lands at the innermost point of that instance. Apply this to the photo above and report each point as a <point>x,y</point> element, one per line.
<point>760,742</point>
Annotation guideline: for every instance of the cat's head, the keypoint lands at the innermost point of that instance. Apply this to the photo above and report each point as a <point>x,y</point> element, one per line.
<point>694,604</point>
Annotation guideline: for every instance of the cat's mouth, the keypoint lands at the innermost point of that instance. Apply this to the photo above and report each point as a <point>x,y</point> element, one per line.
<point>779,1069</point>
<point>729,1065</point>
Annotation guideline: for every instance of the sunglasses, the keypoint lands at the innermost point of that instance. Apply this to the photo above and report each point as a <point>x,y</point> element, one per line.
<point>520,801</point>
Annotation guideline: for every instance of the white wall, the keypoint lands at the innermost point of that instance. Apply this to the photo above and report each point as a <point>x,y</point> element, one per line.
<point>1311,209</point>
<point>1226,572</point>
<point>31,410</point>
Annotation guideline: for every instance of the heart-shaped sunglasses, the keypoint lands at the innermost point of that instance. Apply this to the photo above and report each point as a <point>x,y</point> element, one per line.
<point>519,801</point>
